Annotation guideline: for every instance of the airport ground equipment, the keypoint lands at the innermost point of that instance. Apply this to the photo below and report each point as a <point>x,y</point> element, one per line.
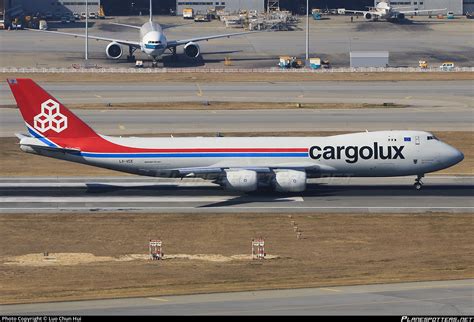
<point>447,66</point>
<point>188,13</point>
<point>422,64</point>
<point>316,14</point>
<point>101,12</point>
<point>155,249</point>
<point>258,248</point>
<point>290,62</point>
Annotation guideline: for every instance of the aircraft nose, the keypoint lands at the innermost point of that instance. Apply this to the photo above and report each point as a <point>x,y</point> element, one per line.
<point>455,156</point>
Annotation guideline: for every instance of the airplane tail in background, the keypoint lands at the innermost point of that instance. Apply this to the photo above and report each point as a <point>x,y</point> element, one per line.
<point>45,116</point>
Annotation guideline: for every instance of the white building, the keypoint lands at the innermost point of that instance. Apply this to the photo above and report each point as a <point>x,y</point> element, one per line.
<point>201,6</point>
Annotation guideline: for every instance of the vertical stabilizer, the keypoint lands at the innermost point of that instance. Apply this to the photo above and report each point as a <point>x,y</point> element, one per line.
<point>151,11</point>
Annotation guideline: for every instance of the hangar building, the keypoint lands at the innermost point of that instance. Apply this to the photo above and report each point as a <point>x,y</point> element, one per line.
<point>227,5</point>
<point>56,7</point>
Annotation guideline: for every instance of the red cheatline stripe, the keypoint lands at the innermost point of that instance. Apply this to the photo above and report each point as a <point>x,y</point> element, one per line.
<point>206,150</point>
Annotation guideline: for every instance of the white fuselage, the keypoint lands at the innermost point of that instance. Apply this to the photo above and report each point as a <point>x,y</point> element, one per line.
<point>152,39</point>
<point>366,154</point>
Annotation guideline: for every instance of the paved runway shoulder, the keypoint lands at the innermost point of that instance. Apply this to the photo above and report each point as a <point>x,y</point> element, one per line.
<point>418,298</point>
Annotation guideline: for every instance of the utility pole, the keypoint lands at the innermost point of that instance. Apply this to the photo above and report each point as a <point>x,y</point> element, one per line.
<point>307,32</point>
<point>87,30</point>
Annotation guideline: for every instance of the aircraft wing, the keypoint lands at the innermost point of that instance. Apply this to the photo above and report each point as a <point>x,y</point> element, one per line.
<point>356,11</point>
<point>125,25</point>
<point>425,10</point>
<point>174,43</point>
<point>134,44</point>
<point>216,170</point>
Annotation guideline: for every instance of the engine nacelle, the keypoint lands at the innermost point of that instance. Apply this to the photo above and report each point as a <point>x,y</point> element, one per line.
<point>368,16</point>
<point>114,50</point>
<point>290,181</point>
<point>400,16</point>
<point>241,180</point>
<point>192,50</point>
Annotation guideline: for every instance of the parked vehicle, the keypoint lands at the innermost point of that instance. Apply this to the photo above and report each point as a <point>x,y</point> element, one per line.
<point>188,13</point>
<point>92,15</point>
<point>43,25</point>
<point>447,66</point>
<point>422,64</point>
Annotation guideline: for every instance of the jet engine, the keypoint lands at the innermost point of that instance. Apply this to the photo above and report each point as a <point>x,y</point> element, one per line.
<point>290,181</point>
<point>241,180</point>
<point>368,16</point>
<point>400,16</point>
<point>192,50</point>
<point>114,51</point>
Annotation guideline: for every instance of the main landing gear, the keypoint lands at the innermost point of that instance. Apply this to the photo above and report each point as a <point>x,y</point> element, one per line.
<point>174,56</point>
<point>418,183</point>
<point>131,51</point>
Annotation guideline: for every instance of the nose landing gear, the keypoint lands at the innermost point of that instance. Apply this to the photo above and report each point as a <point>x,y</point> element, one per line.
<point>418,183</point>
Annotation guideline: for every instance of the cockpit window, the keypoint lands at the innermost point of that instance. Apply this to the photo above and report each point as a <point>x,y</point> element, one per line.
<point>432,137</point>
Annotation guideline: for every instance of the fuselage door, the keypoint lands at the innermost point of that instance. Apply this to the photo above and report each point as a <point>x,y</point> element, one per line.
<point>417,140</point>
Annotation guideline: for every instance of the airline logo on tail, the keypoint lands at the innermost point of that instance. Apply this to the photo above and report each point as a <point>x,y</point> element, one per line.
<point>50,118</point>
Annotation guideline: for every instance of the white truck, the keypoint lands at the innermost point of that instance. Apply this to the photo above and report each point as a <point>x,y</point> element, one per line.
<point>188,13</point>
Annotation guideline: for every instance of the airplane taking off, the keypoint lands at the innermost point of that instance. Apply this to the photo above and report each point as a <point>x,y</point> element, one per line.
<point>153,41</point>
<point>242,164</point>
<point>383,11</point>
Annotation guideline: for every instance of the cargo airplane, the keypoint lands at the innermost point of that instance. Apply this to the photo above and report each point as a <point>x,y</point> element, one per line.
<point>383,11</point>
<point>244,164</point>
<point>153,41</point>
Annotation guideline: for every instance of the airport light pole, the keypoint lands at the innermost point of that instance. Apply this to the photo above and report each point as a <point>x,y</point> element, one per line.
<point>87,30</point>
<point>307,32</point>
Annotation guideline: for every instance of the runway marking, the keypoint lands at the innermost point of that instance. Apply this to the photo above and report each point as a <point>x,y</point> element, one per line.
<point>200,90</point>
<point>98,96</point>
<point>121,127</point>
<point>330,289</point>
<point>158,299</point>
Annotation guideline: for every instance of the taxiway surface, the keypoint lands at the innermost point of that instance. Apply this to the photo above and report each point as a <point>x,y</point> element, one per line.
<point>333,38</point>
<point>440,193</point>
<point>417,298</point>
<point>416,93</point>
<point>127,122</point>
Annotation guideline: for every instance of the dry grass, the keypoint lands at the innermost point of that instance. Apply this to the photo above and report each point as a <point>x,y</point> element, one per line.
<point>336,249</point>
<point>33,165</point>
<point>239,77</point>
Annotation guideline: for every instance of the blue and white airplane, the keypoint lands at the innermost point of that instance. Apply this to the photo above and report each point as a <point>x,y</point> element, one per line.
<point>153,41</point>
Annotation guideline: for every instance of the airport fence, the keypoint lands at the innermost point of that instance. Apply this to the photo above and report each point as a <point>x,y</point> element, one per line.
<point>97,69</point>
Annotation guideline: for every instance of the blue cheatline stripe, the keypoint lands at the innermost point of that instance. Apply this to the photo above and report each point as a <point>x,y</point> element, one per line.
<point>153,46</point>
<point>195,155</point>
<point>41,138</point>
